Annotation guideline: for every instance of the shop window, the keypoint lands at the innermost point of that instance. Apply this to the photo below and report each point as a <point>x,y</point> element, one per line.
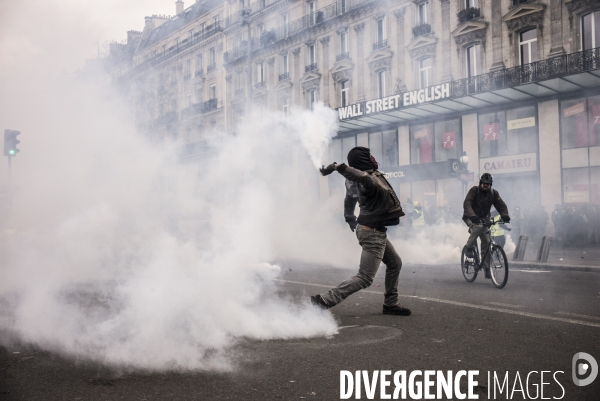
<point>448,140</point>
<point>576,185</point>
<point>528,46</point>
<point>580,122</point>
<point>384,147</point>
<point>507,133</point>
<point>421,144</point>
<point>590,30</point>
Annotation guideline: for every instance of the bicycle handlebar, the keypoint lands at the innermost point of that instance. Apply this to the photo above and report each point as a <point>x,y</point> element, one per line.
<point>487,223</point>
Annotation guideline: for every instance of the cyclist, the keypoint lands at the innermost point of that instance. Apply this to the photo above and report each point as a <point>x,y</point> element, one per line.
<point>477,206</point>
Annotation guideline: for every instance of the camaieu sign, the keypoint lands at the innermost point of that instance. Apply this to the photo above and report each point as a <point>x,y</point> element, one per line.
<point>395,102</point>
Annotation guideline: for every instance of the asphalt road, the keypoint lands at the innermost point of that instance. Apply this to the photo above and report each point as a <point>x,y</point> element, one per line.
<point>538,322</point>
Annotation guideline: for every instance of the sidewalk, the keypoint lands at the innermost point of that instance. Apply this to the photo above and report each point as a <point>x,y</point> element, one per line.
<point>584,258</point>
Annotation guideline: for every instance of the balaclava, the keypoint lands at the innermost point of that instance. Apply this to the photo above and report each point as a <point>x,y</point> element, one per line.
<point>361,159</point>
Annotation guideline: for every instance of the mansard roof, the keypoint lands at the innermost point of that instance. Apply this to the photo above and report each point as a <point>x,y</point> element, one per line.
<point>189,15</point>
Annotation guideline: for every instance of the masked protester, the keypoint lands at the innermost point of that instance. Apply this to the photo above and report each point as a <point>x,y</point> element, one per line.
<point>477,206</point>
<point>379,208</point>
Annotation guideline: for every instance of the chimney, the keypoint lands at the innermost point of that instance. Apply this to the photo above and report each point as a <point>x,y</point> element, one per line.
<point>178,7</point>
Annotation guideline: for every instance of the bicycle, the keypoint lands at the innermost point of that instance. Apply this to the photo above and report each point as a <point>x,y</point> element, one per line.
<point>498,269</point>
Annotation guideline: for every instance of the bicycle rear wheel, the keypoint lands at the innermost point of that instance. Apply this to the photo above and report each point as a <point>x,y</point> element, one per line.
<point>499,266</point>
<point>468,266</point>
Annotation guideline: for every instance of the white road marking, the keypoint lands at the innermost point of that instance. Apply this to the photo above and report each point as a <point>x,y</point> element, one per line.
<point>531,271</point>
<point>507,305</point>
<point>577,315</point>
<point>475,306</point>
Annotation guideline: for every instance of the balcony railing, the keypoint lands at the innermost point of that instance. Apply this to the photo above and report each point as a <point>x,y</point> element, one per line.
<point>259,84</point>
<point>343,56</point>
<point>310,67</point>
<point>239,92</point>
<point>542,70</point>
<point>211,67</point>
<point>254,7</point>
<point>199,73</point>
<point>236,53</point>
<point>166,118</point>
<point>468,14</point>
<point>187,77</point>
<point>421,30</point>
<point>209,105</point>
<point>517,2</point>
<point>284,76</point>
<point>380,44</point>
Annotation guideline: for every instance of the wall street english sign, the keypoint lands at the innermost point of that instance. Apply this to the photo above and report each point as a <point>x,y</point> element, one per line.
<point>395,102</point>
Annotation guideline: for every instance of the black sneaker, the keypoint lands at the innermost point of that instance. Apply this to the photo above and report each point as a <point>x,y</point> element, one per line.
<point>318,301</point>
<point>395,310</point>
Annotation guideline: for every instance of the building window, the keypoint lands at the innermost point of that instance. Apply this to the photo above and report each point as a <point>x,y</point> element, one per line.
<point>380,30</point>
<point>590,30</point>
<point>473,60</point>
<point>286,106</point>
<point>312,13</point>
<point>425,72</point>
<point>188,68</point>
<point>213,91</point>
<point>528,46</point>
<point>343,6</point>
<point>471,3</point>
<point>344,91</point>
<point>188,100</point>
<point>199,62</point>
<point>422,13</point>
<point>260,72</point>
<point>284,24</point>
<point>311,55</point>
<point>216,20</point>
<point>421,144</point>
<point>381,84</point>
<point>212,57</point>
<point>312,99</point>
<point>343,42</point>
<point>508,132</point>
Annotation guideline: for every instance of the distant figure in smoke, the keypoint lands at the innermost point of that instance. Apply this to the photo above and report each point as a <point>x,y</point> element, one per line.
<point>418,216</point>
<point>477,206</point>
<point>379,208</point>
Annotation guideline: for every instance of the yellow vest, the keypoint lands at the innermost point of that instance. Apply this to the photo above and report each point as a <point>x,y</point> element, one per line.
<point>496,230</point>
<point>420,220</point>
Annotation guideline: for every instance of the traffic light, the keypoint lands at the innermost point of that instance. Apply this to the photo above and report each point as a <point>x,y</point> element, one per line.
<point>11,142</point>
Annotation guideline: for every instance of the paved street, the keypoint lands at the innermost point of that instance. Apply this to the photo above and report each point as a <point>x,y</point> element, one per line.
<point>538,322</point>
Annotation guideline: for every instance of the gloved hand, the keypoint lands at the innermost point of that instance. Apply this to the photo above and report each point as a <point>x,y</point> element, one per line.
<point>475,220</point>
<point>352,224</point>
<point>506,218</point>
<point>328,170</point>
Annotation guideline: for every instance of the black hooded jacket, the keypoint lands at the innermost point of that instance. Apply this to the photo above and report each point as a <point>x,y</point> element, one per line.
<point>479,203</point>
<point>379,205</point>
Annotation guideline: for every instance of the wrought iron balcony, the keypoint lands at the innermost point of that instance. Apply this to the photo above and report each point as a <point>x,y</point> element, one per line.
<point>211,67</point>
<point>421,30</point>
<point>468,14</point>
<point>517,2</point>
<point>187,77</point>
<point>166,118</point>
<point>209,105</point>
<point>284,76</point>
<point>380,45</point>
<point>310,67</point>
<point>199,73</point>
<point>343,56</point>
<point>239,92</point>
<point>259,84</point>
<point>236,53</point>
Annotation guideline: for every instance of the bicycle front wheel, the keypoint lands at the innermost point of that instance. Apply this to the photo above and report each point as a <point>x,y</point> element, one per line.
<point>499,266</point>
<point>468,266</point>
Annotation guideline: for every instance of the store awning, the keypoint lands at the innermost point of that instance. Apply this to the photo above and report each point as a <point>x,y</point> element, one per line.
<point>546,78</point>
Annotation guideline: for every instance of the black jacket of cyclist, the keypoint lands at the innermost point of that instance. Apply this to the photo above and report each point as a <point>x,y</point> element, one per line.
<point>479,201</point>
